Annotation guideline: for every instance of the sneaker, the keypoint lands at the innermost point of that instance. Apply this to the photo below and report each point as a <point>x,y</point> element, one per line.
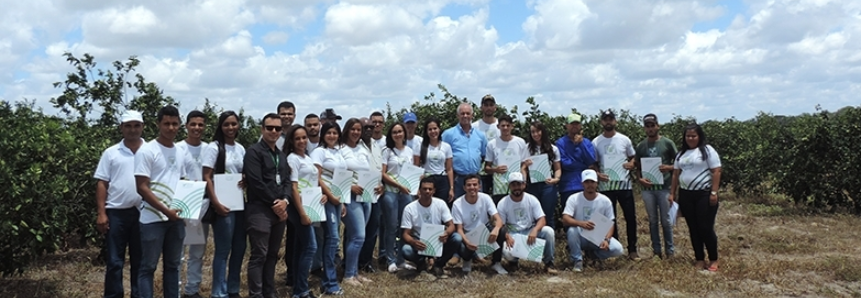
<point>498,268</point>
<point>634,256</point>
<point>352,281</point>
<point>363,279</point>
<point>479,261</point>
<point>393,268</point>
<point>339,292</point>
<point>453,261</point>
<point>195,295</point>
<point>439,273</point>
<point>407,266</point>
<point>370,268</point>
<point>578,266</point>
<point>548,268</point>
<point>467,266</point>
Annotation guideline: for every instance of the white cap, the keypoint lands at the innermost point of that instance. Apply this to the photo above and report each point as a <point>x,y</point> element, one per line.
<point>589,175</point>
<point>131,115</point>
<point>515,177</point>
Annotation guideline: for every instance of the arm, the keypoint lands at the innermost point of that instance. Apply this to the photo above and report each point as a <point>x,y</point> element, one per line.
<point>297,203</point>
<point>715,185</point>
<point>675,184</point>
<point>557,173</point>
<point>327,193</point>
<point>539,224</point>
<point>417,161</point>
<point>449,171</point>
<point>252,169</point>
<point>101,201</point>
<point>415,243</point>
<point>466,242</point>
<point>449,230</point>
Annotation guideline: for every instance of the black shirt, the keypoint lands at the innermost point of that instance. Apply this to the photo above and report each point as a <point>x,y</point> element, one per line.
<point>259,168</point>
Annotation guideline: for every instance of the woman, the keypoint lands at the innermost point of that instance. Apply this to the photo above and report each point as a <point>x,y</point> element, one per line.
<point>435,157</point>
<point>358,213</point>
<point>539,143</point>
<point>397,196</point>
<point>327,157</point>
<point>697,173</point>
<point>225,156</point>
<point>303,174</point>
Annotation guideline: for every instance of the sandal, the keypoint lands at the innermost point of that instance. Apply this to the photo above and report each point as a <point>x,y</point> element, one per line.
<point>713,267</point>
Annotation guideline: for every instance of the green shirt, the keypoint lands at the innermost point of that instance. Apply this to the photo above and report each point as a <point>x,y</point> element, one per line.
<point>663,148</point>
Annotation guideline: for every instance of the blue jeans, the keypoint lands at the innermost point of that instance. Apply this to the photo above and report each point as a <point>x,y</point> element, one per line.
<point>157,238</point>
<point>230,242</point>
<point>354,235</point>
<point>449,248</point>
<point>372,231</point>
<point>658,207</point>
<point>546,194</point>
<point>549,236</point>
<point>194,264</point>
<point>577,244</point>
<point>392,207</point>
<point>303,253</point>
<point>124,231</point>
<point>330,247</point>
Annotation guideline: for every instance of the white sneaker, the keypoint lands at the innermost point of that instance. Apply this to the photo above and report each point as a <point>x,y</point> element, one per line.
<point>407,266</point>
<point>393,268</point>
<point>467,265</point>
<point>498,267</point>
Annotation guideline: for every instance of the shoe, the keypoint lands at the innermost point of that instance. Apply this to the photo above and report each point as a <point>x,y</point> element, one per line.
<point>467,266</point>
<point>548,268</point>
<point>453,261</point>
<point>352,281</point>
<point>364,280</point>
<point>480,261</point>
<point>439,273</point>
<point>393,268</point>
<point>670,255</point>
<point>339,292</point>
<point>307,295</point>
<point>498,268</point>
<point>318,272</point>
<point>633,256</point>
<point>407,266</point>
<point>234,295</point>
<point>195,295</point>
<point>578,266</point>
<point>713,267</point>
<point>368,269</point>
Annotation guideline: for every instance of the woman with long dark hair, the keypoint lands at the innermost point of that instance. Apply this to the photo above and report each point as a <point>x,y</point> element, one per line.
<point>327,157</point>
<point>696,177</point>
<point>225,156</point>
<point>355,154</point>
<point>303,174</point>
<point>539,143</point>
<point>397,196</point>
<point>435,157</point>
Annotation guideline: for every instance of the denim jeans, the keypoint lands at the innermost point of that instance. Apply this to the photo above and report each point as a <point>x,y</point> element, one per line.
<point>372,231</point>
<point>230,242</point>
<point>157,238</point>
<point>392,207</point>
<point>317,263</point>
<point>303,253</point>
<point>577,244</point>
<point>625,199</point>
<point>449,248</point>
<point>658,207</point>
<point>546,194</point>
<point>354,235</point>
<point>123,231</point>
<point>265,231</point>
<point>330,247</point>
<point>467,254</point>
<point>194,263</point>
<point>549,236</point>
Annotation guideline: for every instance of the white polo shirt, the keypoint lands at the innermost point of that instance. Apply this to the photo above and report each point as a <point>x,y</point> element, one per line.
<point>117,167</point>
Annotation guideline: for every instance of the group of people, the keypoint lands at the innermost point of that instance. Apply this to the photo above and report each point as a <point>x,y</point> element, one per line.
<point>466,185</point>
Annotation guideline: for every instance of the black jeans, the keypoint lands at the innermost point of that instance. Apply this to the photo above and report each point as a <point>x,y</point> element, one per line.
<point>700,217</point>
<point>625,199</point>
<point>441,186</point>
<point>264,235</point>
<point>372,230</point>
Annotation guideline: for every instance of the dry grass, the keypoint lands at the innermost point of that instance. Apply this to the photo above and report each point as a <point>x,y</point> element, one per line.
<point>766,251</point>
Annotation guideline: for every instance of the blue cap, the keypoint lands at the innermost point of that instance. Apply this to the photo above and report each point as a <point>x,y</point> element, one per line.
<point>410,117</point>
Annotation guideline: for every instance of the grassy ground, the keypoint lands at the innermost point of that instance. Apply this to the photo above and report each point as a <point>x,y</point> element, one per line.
<point>766,249</point>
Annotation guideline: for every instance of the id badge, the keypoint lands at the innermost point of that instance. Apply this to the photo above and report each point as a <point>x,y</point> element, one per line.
<point>278,179</point>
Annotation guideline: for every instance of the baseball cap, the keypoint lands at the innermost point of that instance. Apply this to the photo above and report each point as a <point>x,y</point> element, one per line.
<point>589,175</point>
<point>410,117</point>
<point>330,113</point>
<point>515,177</point>
<point>131,115</point>
<point>574,117</point>
<point>608,114</point>
<point>650,118</point>
<point>488,98</point>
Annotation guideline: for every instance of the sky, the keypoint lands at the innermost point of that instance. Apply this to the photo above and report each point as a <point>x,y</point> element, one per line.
<point>706,59</point>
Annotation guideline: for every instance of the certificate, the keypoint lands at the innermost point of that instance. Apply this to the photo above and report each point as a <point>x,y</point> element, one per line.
<point>478,237</point>
<point>368,180</point>
<point>539,170</point>
<point>430,237</point>
<point>410,176</point>
<point>652,169</point>
<point>500,181</point>
<point>611,164</point>
<point>340,185</point>
<point>228,192</point>
<point>188,198</point>
<point>673,213</point>
<point>522,250</point>
<point>602,226</point>
<point>311,197</point>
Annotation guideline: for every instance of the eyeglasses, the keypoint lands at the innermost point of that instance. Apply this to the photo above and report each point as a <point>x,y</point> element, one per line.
<point>369,127</point>
<point>273,128</point>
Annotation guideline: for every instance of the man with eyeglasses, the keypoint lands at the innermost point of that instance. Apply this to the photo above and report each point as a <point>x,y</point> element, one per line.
<point>287,113</point>
<point>379,122</point>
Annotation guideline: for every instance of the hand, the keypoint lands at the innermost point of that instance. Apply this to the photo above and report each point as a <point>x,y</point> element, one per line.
<point>404,190</point>
<point>531,238</point>
<point>605,245</point>
<point>578,138</point>
<point>603,177</point>
<point>628,165</point>
<point>509,241</point>
<point>282,217</point>
<point>343,212</point>
<point>102,223</point>
<point>324,200</point>
<point>451,195</point>
<point>173,214</point>
<point>221,210</point>
<point>469,246</point>
<point>713,200</point>
<point>501,169</point>
<point>419,245</point>
<point>588,225</point>
<point>665,168</point>
<point>356,190</point>
<point>444,237</point>
<point>645,182</point>
<point>551,181</point>
<point>305,220</point>
<point>280,209</point>
<point>493,235</point>
<point>527,162</point>
<point>378,190</point>
<point>671,198</point>
<point>241,183</point>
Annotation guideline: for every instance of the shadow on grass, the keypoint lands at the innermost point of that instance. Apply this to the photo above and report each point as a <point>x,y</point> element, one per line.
<point>21,288</point>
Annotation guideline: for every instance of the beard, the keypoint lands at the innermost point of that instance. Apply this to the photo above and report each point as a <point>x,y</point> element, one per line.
<point>517,193</point>
<point>609,127</point>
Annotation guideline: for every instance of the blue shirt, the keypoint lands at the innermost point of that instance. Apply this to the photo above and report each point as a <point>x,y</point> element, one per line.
<point>575,158</point>
<point>467,149</point>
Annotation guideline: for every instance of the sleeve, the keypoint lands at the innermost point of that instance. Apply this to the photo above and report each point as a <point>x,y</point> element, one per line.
<point>608,209</point>
<point>240,150</point>
<point>489,155</point>
<point>319,156</point>
<point>209,155</point>
<point>456,215</point>
<point>501,208</point>
<point>714,159</point>
<point>446,136</point>
<point>570,205</point>
<point>483,143</point>
<point>629,150</point>
<point>590,155</point>
<point>537,212</point>
<point>491,209</point>
<point>524,150</point>
<point>407,221</point>
<point>294,167</point>
<point>253,171</point>
<point>103,170</point>
<point>556,153</point>
<point>417,149</point>
<point>442,207</point>
<point>447,150</point>
<point>565,159</point>
<point>143,162</point>
<point>287,187</point>
<point>676,164</point>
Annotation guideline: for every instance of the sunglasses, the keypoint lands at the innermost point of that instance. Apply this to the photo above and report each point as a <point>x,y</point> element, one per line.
<point>369,127</point>
<point>273,128</point>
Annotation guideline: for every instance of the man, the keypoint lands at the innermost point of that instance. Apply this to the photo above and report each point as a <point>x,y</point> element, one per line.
<point>577,215</point>
<point>576,154</point>
<point>195,124</point>
<point>312,126</point>
<point>287,113</point>
<point>613,148</point>
<point>159,165</point>
<point>424,211</point>
<point>521,212</point>
<point>329,116</point>
<point>468,146</point>
<point>474,210</point>
<point>117,204</point>
<point>505,147</point>
<point>488,125</point>
<point>657,196</point>
<point>373,228</point>
<point>267,180</point>
<point>410,122</point>
<point>379,122</point>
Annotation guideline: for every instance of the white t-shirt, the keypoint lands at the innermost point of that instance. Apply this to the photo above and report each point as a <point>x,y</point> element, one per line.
<point>303,171</point>
<point>415,142</point>
<point>381,142</point>
<point>473,216</point>
<point>330,159</point>
<point>619,145</point>
<point>416,215</point>
<point>395,159</point>
<point>436,157</point>
<point>311,146</point>
<point>375,157</point>
<point>356,159</point>
<point>520,216</point>
<point>195,173</point>
<point>696,173</point>
<point>490,130</point>
<point>164,166</point>
<point>233,157</point>
<point>117,167</point>
<point>496,149</point>
<point>582,209</point>
<point>557,156</point>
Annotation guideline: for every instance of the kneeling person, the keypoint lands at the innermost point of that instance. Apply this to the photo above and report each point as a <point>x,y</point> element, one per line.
<point>424,211</point>
<point>577,214</point>
<point>521,212</point>
<point>473,211</point>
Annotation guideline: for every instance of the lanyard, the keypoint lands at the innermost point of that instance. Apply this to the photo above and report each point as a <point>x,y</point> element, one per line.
<point>276,159</point>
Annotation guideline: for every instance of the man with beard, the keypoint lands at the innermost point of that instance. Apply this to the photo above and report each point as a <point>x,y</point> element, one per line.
<point>489,125</point>
<point>312,125</point>
<point>577,215</point>
<point>287,112</point>
<point>521,212</point>
<point>657,196</point>
<point>614,148</point>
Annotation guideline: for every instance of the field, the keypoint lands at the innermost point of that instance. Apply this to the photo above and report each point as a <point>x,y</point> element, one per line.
<point>767,249</point>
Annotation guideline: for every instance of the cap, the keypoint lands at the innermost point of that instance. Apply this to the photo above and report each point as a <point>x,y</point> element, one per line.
<point>131,115</point>
<point>410,117</point>
<point>574,117</point>
<point>515,177</point>
<point>589,175</point>
<point>330,113</point>
<point>650,118</point>
<point>488,98</point>
<point>608,114</point>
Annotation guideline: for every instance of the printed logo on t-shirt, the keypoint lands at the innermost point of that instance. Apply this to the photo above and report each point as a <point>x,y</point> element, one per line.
<point>610,149</point>
<point>653,151</point>
<point>587,213</point>
<point>490,134</point>
<point>686,163</point>
<point>520,213</point>
<point>426,217</point>
<point>473,215</point>
<point>507,152</point>
<point>435,155</point>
